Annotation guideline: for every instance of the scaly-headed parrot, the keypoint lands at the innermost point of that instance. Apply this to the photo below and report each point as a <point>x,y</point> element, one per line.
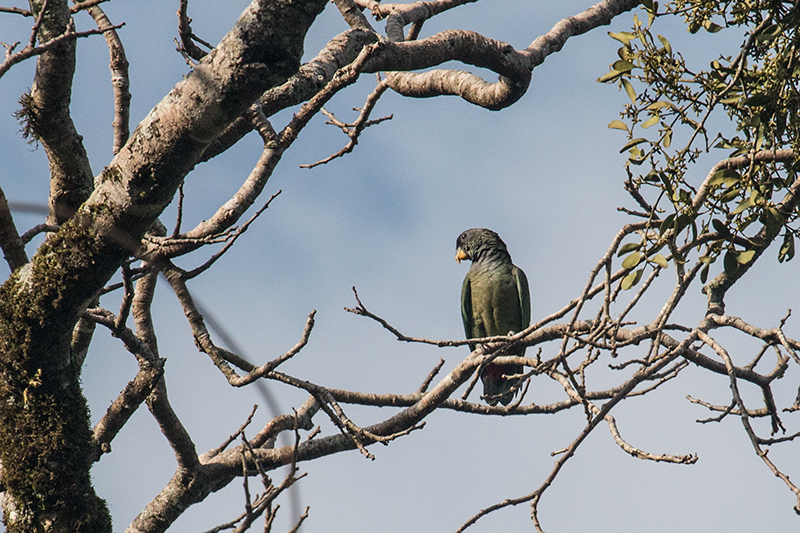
<point>495,300</point>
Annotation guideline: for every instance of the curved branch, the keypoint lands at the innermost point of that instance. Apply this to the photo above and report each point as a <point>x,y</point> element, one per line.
<point>513,67</point>
<point>455,45</point>
<point>468,47</point>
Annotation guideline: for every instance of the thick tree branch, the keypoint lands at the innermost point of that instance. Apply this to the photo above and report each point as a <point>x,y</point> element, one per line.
<point>454,45</point>
<point>600,14</point>
<point>398,56</point>
<point>308,81</point>
<point>47,116</point>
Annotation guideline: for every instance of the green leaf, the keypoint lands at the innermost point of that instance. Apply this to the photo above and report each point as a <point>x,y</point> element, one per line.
<point>667,138</point>
<point>667,183</point>
<point>650,121</point>
<point>628,86</point>
<point>730,262</point>
<point>704,274</point>
<point>693,123</point>
<point>631,279</point>
<point>632,143</point>
<point>651,11</point>
<point>773,220</point>
<point>666,224</point>
<point>730,195</point>
<point>622,65</point>
<point>787,248</point>
<point>637,158</point>
<point>661,261</point>
<point>726,177</point>
<point>758,100</point>
<point>628,247</point>
<point>681,222</point>
<point>757,196</point>
<point>665,42</point>
<point>617,125</point>
<point>721,227</point>
<point>632,260</point>
<point>711,27</point>
<point>745,257</point>
<point>780,125</point>
<point>677,258</point>
<point>759,137</point>
<point>731,99</point>
<point>743,205</point>
<point>624,37</point>
<point>769,33</point>
<point>724,143</point>
<point>609,76</point>
<point>661,104</point>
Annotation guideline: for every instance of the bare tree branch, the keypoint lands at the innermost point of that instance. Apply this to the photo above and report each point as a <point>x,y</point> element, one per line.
<point>187,36</point>
<point>151,370</point>
<point>118,64</point>
<point>743,415</point>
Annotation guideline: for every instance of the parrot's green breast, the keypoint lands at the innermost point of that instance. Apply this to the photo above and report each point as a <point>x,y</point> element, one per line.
<point>495,302</point>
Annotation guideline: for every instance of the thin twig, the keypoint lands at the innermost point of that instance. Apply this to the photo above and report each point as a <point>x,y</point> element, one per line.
<point>230,241</point>
<point>353,131</point>
<point>30,50</point>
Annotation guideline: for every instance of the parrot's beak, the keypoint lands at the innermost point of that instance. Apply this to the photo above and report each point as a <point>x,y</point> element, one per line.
<point>461,254</point>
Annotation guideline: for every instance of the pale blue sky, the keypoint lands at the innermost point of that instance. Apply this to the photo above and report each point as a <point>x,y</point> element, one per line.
<point>546,174</point>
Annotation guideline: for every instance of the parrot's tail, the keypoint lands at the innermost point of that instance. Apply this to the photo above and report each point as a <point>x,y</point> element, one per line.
<point>497,387</point>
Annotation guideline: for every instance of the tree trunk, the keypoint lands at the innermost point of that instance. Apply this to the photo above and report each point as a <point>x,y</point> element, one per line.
<point>45,437</point>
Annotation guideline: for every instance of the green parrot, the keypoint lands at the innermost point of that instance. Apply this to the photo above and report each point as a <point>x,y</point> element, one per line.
<point>495,300</point>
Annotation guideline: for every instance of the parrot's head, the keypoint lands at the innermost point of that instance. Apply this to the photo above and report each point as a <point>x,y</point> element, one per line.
<point>477,242</point>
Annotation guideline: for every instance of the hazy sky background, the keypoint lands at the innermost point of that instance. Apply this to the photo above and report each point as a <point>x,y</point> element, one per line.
<point>546,174</point>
